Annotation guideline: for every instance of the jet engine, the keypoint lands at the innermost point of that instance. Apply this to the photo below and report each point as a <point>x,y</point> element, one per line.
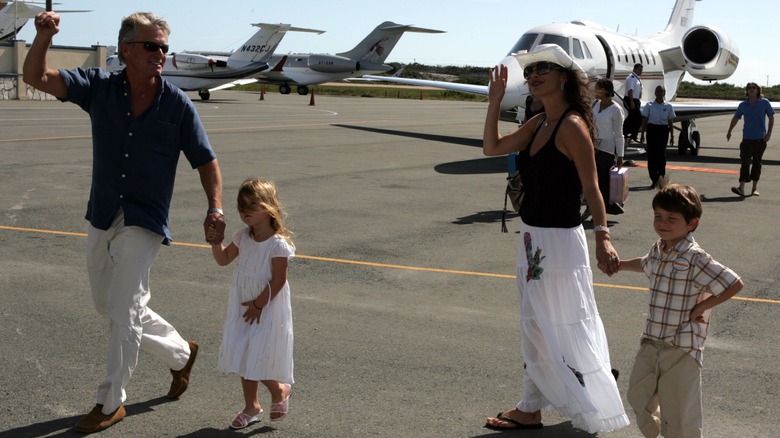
<point>709,54</point>
<point>191,61</point>
<point>332,64</point>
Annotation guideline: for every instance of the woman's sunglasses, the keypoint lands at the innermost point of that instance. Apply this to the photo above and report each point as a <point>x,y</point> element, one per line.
<point>152,47</point>
<point>540,68</point>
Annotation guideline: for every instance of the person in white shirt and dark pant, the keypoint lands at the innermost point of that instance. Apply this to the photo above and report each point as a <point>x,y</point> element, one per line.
<point>657,117</point>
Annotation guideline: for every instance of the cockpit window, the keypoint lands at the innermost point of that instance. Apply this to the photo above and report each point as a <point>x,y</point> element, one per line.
<point>524,43</point>
<point>561,41</point>
<point>576,49</point>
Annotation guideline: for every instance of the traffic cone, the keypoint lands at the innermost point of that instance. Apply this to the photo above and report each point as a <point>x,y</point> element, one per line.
<point>311,101</point>
<point>262,92</point>
<point>421,95</point>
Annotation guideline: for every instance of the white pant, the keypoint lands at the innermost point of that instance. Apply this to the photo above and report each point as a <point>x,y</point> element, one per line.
<point>118,262</point>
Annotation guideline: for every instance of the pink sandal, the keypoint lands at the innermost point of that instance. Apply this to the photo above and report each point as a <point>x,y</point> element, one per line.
<point>243,420</point>
<point>282,407</point>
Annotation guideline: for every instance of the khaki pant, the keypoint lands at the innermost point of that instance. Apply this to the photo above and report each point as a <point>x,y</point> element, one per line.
<point>665,391</point>
<point>118,261</point>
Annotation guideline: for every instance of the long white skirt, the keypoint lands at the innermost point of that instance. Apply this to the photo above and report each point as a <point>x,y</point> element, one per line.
<point>563,337</point>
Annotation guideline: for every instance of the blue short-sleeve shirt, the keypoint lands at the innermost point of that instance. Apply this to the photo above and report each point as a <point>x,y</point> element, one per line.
<point>134,159</point>
<point>754,127</point>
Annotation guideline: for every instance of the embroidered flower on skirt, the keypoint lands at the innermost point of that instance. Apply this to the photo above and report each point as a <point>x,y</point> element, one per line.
<point>534,260</point>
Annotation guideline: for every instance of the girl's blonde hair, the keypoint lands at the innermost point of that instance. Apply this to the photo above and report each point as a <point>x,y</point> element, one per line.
<point>260,192</point>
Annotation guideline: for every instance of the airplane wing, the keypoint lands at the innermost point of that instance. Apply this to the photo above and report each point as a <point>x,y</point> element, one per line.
<point>708,108</point>
<point>697,109</point>
<point>233,84</point>
<point>453,86</point>
<point>685,110</point>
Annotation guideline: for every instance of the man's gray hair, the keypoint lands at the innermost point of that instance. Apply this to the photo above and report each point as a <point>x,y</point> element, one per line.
<point>129,30</point>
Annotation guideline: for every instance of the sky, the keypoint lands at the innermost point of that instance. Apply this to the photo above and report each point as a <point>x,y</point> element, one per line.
<point>479,32</point>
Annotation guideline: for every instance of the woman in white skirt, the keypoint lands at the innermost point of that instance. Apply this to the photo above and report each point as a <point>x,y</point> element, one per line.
<point>257,342</point>
<point>567,365</point>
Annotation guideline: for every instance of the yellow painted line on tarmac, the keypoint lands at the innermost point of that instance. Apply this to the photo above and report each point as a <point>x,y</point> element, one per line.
<point>695,169</point>
<point>382,265</point>
<point>67,137</point>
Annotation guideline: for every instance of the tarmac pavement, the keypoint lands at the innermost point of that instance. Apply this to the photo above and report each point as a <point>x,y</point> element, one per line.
<point>404,301</point>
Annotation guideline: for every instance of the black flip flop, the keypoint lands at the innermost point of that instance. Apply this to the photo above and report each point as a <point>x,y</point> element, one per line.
<point>515,424</point>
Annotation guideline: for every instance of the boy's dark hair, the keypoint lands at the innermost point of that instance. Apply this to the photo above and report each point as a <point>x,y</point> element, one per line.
<point>681,199</point>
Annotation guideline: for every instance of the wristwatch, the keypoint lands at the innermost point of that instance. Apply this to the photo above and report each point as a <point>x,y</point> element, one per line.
<point>215,210</point>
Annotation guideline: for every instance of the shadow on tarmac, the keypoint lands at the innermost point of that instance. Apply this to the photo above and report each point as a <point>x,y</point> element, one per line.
<point>474,142</point>
<point>554,431</point>
<point>65,425</point>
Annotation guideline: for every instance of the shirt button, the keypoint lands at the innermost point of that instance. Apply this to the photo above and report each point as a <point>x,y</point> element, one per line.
<point>130,134</point>
<point>128,114</point>
<point>123,175</point>
<point>127,155</point>
<point>121,196</point>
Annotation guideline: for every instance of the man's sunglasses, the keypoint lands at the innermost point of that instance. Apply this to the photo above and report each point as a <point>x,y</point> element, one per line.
<point>152,47</point>
<point>540,68</point>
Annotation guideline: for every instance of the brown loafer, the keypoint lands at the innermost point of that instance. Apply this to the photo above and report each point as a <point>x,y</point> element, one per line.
<point>96,420</point>
<point>181,378</point>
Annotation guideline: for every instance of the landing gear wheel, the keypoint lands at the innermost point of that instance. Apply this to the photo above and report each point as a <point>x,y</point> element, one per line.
<point>303,90</point>
<point>284,89</point>
<point>695,143</point>
<point>204,95</point>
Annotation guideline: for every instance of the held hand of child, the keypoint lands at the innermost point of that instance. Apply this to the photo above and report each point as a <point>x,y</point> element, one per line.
<point>252,314</point>
<point>214,227</point>
<point>211,235</point>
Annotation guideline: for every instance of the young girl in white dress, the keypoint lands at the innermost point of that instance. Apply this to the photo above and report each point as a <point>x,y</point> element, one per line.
<point>257,343</point>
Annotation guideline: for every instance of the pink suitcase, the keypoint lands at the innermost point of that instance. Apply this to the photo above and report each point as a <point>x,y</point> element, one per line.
<point>618,185</point>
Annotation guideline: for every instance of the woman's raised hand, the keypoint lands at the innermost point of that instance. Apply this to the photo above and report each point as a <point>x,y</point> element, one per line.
<point>498,76</point>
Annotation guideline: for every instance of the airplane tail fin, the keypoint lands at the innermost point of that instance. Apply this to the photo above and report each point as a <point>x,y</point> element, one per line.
<point>376,47</point>
<point>262,44</point>
<point>679,22</point>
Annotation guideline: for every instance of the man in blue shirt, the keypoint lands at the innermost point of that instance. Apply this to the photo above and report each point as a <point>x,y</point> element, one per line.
<point>755,136</point>
<point>140,125</point>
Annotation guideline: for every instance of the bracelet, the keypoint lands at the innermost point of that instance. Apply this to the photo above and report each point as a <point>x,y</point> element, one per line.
<point>599,228</point>
<point>215,210</point>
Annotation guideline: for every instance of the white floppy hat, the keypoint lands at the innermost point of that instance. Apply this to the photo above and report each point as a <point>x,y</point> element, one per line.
<point>547,53</point>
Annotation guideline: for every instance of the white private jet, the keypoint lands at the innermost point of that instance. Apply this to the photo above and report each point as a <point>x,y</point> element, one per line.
<point>207,71</point>
<point>367,57</point>
<point>14,15</point>
<point>704,52</point>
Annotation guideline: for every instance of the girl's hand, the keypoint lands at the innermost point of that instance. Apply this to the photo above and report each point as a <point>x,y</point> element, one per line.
<point>252,314</point>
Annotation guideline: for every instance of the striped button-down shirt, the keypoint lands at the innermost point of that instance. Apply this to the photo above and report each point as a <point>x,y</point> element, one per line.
<point>678,281</point>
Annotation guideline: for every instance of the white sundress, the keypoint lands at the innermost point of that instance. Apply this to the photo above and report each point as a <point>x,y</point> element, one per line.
<point>263,350</point>
<point>562,333</point>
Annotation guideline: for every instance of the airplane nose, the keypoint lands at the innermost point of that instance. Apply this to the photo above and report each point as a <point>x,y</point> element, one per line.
<point>516,85</point>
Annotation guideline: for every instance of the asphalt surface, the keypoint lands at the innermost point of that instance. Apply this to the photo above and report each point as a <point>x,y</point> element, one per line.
<point>404,302</point>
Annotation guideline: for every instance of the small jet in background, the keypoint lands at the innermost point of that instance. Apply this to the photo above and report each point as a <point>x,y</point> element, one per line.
<point>207,71</point>
<point>704,52</point>
<point>367,57</point>
<point>14,15</point>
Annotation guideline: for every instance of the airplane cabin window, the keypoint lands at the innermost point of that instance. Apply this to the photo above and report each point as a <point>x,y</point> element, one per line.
<point>561,41</point>
<point>524,43</point>
<point>577,49</point>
